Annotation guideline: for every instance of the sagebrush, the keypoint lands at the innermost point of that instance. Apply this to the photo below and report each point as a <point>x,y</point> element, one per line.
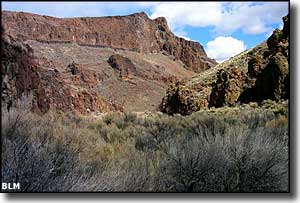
<point>239,149</point>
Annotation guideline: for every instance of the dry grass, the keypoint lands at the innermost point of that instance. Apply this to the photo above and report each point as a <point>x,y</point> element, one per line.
<point>239,149</point>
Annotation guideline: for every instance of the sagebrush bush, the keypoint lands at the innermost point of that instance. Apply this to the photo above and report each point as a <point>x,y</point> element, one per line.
<point>31,155</point>
<point>239,149</point>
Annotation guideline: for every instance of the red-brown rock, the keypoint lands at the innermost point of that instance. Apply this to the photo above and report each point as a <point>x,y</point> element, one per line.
<point>24,74</point>
<point>134,32</point>
<point>123,66</point>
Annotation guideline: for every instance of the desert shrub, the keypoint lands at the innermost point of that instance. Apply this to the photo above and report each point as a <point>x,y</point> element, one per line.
<point>113,134</point>
<point>33,158</point>
<point>188,165</point>
<point>129,172</point>
<point>205,126</point>
<point>279,121</point>
<point>240,149</point>
<point>157,130</point>
<point>239,160</point>
<point>48,153</point>
<point>130,117</point>
<point>122,120</point>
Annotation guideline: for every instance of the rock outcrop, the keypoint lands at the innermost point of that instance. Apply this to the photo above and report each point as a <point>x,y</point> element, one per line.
<point>181,100</point>
<point>83,65</point>
<point>272,78</point>
<point>25,75</point>
<point>255,75</point>
<point>123,66</point>
<point>228,87</point>
<point>134,32</point>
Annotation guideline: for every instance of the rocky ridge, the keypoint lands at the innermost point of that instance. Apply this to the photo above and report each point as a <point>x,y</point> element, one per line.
<point>85,65</point>
<point>134,32</point>
<point>255,75</point>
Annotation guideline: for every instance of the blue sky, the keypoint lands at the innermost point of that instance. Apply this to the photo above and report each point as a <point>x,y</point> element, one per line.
<point>223,28</point>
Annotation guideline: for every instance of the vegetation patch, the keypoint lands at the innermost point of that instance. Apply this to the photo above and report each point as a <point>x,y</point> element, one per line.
<point>236,149</point>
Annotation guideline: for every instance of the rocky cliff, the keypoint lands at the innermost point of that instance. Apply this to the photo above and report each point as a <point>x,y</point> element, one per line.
<point>23,74</point>
<point>86,65</point>
<point>134,32</point>
<point>255,75</point>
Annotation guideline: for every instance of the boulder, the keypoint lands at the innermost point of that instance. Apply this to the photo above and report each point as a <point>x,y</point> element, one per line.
<point>228,87</point>
<point>181,100</point>
<point>123,66</point>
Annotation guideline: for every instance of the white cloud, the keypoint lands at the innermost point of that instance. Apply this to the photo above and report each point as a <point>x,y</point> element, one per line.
<point>256,29</point>
<point>147,3</point>
<point>181,33</point>
<point>193,13</point>
<point>221,48</point>
<point>251,18</point>
<point>184,36</point>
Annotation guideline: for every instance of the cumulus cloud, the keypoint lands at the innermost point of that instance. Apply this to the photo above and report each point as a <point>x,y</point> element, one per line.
<point>221,48</point>
<point>249,17</point>
<point>195,14</point>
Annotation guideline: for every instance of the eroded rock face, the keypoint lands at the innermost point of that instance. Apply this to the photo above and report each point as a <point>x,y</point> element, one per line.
<point>228,87</point>
<point>19,73</point>
<point>134,32</point>
<point>272,79</point>
<point>123,66</point>
<point>257,75</point>
<point>255,66</point>
<point>181,100</point>
<point>267,74</point>
<point>82,77</point>
<point>271,83</point>
<point>24,74</point>
<point>266,77</point>
<point>65,65</point>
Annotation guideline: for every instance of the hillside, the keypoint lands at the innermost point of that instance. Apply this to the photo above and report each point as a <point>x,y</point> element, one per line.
<point>254,75</point>
<point>99,64</point>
